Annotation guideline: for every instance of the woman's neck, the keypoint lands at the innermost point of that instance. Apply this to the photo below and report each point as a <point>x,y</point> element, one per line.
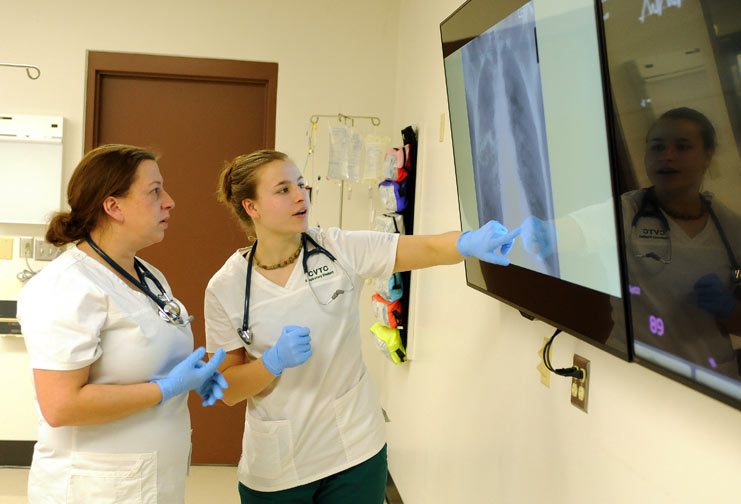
<point>114,247</point>
<point>274,248</point>
<point>686,202</point>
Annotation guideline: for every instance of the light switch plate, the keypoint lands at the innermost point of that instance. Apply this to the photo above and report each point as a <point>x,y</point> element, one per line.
<point>6,248</point>
<point>545,374</point>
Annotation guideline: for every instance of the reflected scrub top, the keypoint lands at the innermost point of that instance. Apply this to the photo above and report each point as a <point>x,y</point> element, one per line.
<point>323,416</point>
<point>77,313</point>
<point>667,290</point>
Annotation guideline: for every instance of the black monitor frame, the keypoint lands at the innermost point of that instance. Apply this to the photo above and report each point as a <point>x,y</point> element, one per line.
<point>576,310</point>
<point>620,180</point>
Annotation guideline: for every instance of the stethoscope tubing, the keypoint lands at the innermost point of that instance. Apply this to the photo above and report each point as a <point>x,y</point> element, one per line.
<point>143,273</point>
<point>244,332</point>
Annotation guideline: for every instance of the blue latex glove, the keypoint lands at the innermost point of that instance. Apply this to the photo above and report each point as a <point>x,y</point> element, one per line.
<point>188,375</point>
<point>292,349</point>
<point>211,390</point>
<point>538,237</point>
<point>483,243</point>
<point>714,297</point>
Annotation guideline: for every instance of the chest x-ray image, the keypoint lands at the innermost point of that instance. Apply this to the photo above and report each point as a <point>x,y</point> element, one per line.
<point>507,127</point>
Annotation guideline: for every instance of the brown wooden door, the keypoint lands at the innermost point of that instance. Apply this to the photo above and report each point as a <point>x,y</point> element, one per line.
<point>195,113</point>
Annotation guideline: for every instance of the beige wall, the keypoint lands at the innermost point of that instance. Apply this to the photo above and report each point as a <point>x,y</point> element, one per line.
<point>470,421</point>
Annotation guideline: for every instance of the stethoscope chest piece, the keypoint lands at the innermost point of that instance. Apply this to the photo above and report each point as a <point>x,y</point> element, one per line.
<point>245,335</point>
<point>171,309</point>
<point>170,312</point>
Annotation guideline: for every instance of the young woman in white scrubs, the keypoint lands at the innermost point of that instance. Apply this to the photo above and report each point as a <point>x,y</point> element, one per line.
<point>314,430</point>
<point>683,247</point>
<point>110,368</point>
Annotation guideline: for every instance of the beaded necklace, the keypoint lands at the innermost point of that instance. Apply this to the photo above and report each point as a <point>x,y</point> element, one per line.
<point>288,261</point>
<point>682,216</point>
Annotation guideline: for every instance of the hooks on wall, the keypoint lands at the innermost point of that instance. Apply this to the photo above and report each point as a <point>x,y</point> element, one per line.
<point>342,117</point>
<point>27,67</point>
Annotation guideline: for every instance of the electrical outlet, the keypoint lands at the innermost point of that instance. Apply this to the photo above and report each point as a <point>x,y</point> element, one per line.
<point>25,248</point>
<point>580,386</point>
<point>44,251</point>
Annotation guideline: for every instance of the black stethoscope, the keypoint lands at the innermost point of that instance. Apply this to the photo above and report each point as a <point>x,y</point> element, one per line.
<point>650,208</point>
<point>244,332</point>
<point>167,307</point>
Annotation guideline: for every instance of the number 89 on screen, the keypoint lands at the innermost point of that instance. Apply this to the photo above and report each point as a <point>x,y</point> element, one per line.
<point>656,325</point>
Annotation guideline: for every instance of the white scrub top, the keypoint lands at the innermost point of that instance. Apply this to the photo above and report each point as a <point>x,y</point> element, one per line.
<point>77,313</point>
<point>667,290</point>
<point>323,416</point>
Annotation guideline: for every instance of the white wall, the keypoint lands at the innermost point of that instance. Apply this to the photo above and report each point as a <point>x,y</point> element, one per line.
<point>334,56</point>
<point>470,421</point>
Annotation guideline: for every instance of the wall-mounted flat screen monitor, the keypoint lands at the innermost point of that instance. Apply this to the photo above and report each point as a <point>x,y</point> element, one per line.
<point>531,143</point>
<point>675,82</point>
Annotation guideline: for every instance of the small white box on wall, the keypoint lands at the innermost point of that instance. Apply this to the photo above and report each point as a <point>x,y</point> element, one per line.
<point>30,167</point>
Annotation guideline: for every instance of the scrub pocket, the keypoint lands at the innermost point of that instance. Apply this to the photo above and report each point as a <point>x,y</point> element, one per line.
<point>268,447</point>
<point>359,419</point>
<point>108,478</point>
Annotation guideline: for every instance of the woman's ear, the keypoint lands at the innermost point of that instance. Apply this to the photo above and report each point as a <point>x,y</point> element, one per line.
<point>251,209</point>
<point>113,209</point>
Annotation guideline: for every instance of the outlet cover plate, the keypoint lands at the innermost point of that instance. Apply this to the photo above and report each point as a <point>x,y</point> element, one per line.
<point>25,248</point>
<point>44,251</point>
<point>580,387</point>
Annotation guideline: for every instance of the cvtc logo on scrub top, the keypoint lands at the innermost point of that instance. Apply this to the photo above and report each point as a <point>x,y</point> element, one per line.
<point>319,272</point>
<point>654,233</point>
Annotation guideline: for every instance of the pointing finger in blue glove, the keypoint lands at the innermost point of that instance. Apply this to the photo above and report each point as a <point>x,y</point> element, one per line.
<point>484,242</point>
<point>538,237</point>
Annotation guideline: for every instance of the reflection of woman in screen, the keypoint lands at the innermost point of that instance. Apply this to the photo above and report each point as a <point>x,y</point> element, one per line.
<point>681,249</point>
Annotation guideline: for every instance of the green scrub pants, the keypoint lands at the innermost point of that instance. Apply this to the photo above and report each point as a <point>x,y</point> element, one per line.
<point>364,483</point>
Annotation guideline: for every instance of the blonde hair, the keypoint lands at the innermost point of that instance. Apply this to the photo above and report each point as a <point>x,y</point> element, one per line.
<point>238,181</point>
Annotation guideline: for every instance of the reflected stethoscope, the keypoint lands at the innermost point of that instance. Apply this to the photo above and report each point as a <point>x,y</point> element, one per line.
<point>167,307</point>
<point>244,332</point>
<point>650,208</point>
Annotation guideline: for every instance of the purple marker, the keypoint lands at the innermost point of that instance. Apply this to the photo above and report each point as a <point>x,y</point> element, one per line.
<point>634,289</point>
<point>712,363</point>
